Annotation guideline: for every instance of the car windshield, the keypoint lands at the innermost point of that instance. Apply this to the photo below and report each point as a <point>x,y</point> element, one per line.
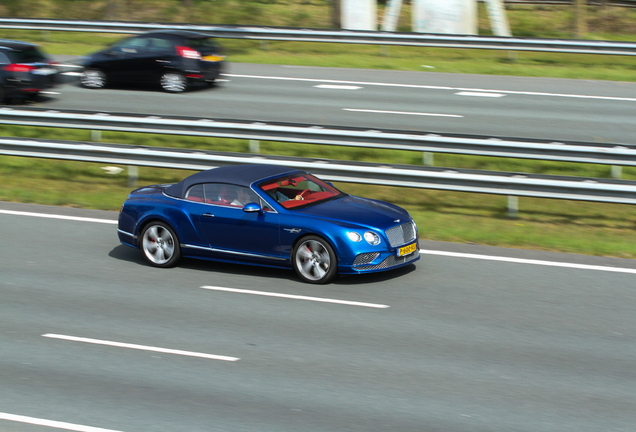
<point>298,190</point>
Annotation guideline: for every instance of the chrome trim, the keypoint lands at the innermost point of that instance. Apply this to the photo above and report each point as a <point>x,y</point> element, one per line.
<point>232,252</point>
<point>127,233</point>
<point>292,230</point>
<point>196,247</point>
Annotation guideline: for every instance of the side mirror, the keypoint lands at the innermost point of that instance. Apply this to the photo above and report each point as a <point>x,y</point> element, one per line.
<point>252,208</point>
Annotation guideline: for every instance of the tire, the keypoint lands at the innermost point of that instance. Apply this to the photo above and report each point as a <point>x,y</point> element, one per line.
<point>3,95</point>
<point>93,79</point>
<point>160,245</point>
<point>314,260</point>
<point>173,82</point>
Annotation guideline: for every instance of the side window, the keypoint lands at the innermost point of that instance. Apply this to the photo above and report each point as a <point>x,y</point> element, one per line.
<point>4,59</point>
<point>228,194</point>
<point>212,193</point>
<point>132,45</point>
<point>195,193</point>
<point>245,195</point>
<point>265,206</point>
<point>159,45</point>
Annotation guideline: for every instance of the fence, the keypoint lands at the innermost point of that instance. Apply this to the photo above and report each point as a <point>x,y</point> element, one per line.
<point>337,36</point>
<point>565,151</point>
<point>458,180</point>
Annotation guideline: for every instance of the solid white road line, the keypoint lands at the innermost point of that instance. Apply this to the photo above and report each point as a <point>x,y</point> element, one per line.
<point>296,297</point>
<point>52,423</point>
<point>401,112</point>
<point>530,261</point>
<point>423,251</point>
<point>337,87</point>
<point>140,347</point>
<point>364,83</point>
<point>480,94</point>
<point>52,216</point>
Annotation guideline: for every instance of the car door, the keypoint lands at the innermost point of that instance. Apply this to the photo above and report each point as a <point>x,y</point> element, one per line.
<point>235,234</point>
<point>124,61</point>
<point>154,59</point>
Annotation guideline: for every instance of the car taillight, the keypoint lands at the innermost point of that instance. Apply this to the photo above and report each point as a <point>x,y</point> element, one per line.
<point>188,52</point>
<point>16,67</point>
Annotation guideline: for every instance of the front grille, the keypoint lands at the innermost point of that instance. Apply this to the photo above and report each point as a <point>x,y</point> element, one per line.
<point>365,258</point>
<point>391,261</point>
<point>401,234</point>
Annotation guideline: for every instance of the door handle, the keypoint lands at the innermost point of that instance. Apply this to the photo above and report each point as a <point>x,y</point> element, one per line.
<point>208,215</point>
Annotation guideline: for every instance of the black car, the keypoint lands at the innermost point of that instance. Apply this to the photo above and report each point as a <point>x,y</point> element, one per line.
<point>173,59</point>
<point>24,70</point>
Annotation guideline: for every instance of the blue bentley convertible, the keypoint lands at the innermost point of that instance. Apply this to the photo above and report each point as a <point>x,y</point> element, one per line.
<point>270,216</point>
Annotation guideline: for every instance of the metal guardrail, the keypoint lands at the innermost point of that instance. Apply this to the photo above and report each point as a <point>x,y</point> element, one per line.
<point>458,180</point>
<point>614,3</point>
<point>337,36</point>
<point>566,151</point>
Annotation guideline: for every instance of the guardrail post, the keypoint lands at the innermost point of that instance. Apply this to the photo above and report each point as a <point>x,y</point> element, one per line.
<point>513,206</point>
<point>617,171</point>
<point>255,146</point>
<point>580,9</point>
<point>428,158</point>
<point>264,45</point>
<point>133,175</point>
<point>96,135</point>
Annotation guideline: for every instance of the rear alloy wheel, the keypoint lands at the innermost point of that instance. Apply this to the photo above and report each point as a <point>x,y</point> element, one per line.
<point>160,245</point>
<point>93,78</point>
<point>314,260</point>
<point>174,82</point>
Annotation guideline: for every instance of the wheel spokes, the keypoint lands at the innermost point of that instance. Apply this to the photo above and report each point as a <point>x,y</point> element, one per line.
<point>304,253</point>
<point>319,272</point>
<point>313,260</point>
<point>158,244</point>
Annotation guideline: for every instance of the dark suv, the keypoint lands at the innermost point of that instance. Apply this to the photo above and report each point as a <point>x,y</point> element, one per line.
<point>24,70</point>
<point>172,58</point>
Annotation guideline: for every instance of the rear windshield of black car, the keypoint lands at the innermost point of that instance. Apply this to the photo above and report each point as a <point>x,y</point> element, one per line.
<point>27,55</point>
<point>203,45</point>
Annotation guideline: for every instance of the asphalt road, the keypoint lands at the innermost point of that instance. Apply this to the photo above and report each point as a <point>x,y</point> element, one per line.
<point>468,343</point>
<point>559,109</point>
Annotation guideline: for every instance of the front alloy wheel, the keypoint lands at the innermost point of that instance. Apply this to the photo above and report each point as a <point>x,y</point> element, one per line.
<point>174,82</point>
<point>314,260</point>
<point>93,78</point>
<point>160,245</point>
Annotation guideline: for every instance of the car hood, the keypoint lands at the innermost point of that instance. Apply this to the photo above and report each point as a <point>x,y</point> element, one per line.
<point>359,211</point>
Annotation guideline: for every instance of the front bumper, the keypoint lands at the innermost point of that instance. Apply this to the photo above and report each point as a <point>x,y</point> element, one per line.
<point>379,261</point>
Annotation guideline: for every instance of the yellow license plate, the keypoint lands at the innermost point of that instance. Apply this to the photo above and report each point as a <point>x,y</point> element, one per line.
<point>213,58</point>
<point>407,249</point>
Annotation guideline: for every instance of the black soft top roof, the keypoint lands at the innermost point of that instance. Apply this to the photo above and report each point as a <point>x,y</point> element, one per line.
<point>241,175</point>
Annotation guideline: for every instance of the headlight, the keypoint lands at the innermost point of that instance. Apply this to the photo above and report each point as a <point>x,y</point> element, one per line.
<point>354,236</point>
<point>372,238</point>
